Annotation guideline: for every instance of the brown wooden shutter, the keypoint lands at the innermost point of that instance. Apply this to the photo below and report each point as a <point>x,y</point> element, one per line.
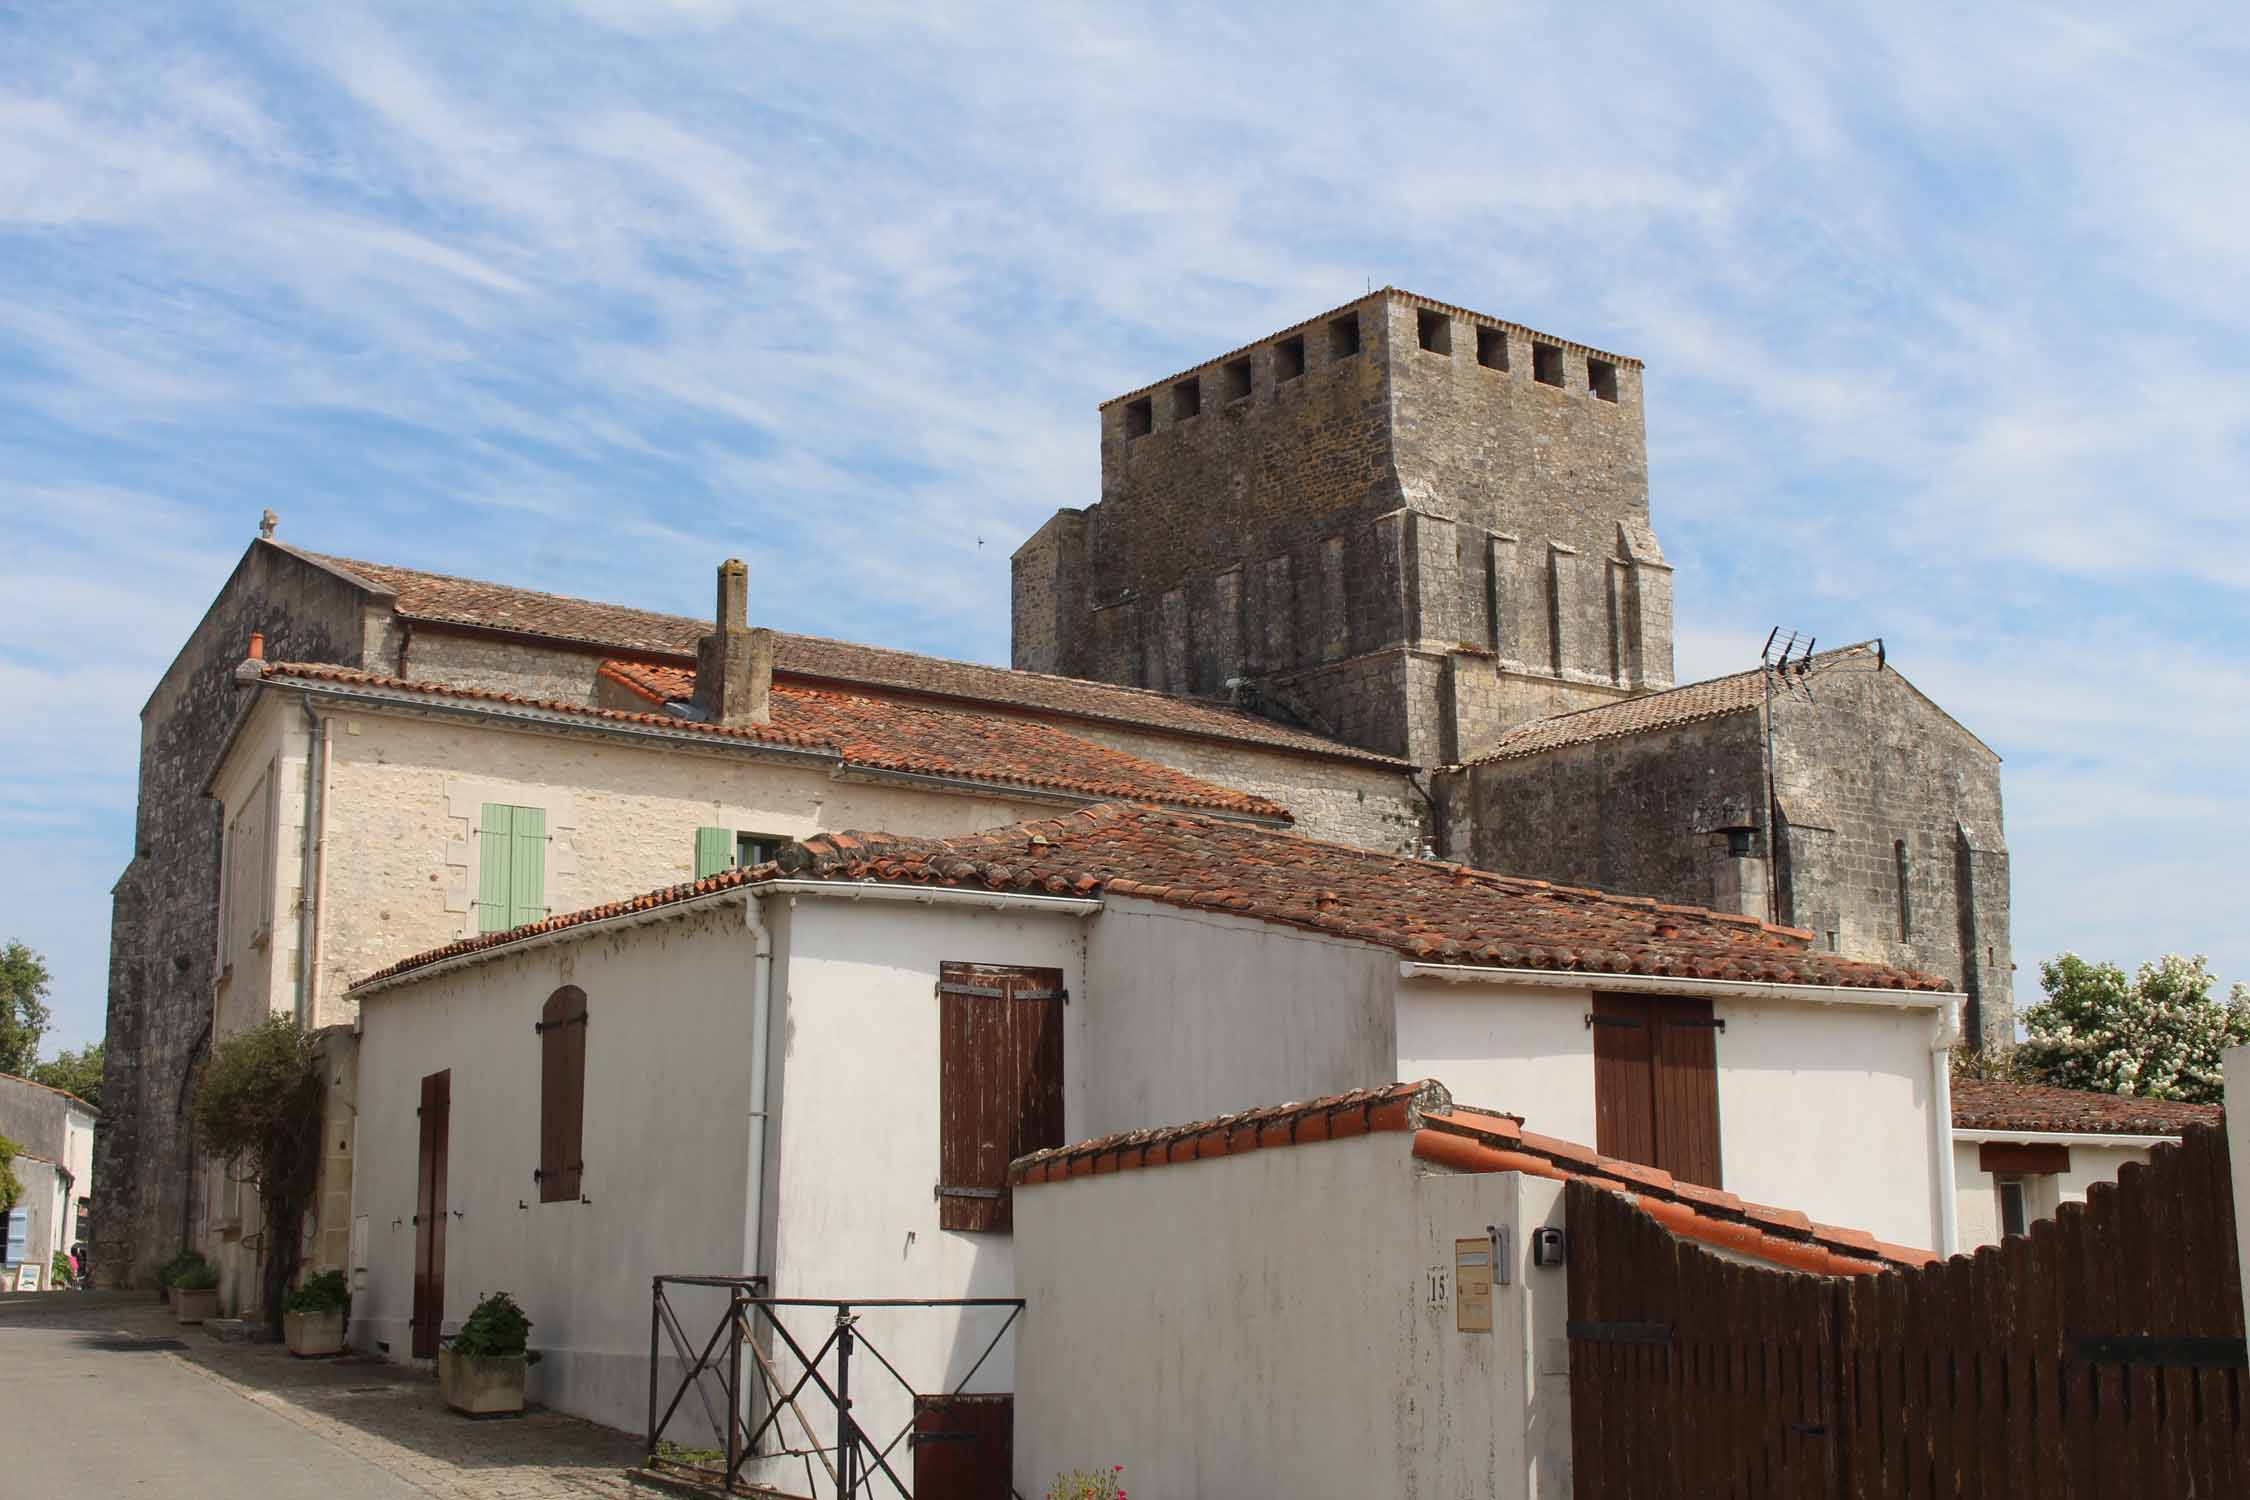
<point>562,1094</point>
<point>1685,1084</point>
<point>1624,1108</point>
<point>964,1447</point>
<point>435,1116</point>
<point>1000,1084</point>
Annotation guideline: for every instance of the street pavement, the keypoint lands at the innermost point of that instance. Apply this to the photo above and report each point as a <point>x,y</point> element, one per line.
<point>105,1394</point>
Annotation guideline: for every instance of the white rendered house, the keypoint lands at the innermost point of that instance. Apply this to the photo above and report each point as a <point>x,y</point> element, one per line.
<point>818,1070</point>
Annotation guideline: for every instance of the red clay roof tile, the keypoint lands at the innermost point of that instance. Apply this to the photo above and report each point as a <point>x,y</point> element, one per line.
<point>436,598</point>
<point>882,734</point>
<point>1181,858</point>
<point>1470,1140</point>
<point>1986,1104</point>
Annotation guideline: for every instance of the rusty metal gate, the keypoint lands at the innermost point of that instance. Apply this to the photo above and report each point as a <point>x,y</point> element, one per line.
<point>2101,1355</point>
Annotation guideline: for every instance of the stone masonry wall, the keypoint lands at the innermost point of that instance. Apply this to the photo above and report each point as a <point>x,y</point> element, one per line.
<point>1260,521</point>
<point>163,921</point>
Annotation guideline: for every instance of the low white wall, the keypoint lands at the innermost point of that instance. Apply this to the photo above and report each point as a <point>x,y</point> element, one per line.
<point>2235,1062</point>
<point>1262,1324</point>
<point>1194,1014</point>
<point>1822,1108</point>
<point>665,1134</point>
<point>1978,1191</point>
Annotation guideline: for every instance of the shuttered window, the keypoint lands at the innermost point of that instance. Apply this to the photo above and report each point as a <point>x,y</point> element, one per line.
<point>562,1095</point>
<point>1656,1084</point>
<point>1000,1084</point>
<point>714,851</point>
<point>511,866</point>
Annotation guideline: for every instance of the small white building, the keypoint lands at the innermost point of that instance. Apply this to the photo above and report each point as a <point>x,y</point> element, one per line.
<point>818,1071</point>
<point>2022,1150</point>
<point>1379,1310</point>
<point>54,1132</point>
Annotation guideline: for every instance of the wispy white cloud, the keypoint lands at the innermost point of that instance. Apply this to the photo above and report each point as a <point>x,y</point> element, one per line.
<point>1942,308</point>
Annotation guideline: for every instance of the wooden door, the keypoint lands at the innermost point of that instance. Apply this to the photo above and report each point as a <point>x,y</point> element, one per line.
<point>1624,1105</point>
<point>964,1447</point>
<point>1656,1083</point>
<point>1000,1084</point>
<point>435,1114</point>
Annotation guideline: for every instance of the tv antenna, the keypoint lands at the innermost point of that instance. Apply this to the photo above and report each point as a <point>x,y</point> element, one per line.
<point>1788,667</point>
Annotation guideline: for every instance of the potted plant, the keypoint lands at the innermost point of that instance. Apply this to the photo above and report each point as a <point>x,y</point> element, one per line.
<point>481,1368</point>
<point>195,1293</point>
<point>168,1275</point>
<point>312,1318</point>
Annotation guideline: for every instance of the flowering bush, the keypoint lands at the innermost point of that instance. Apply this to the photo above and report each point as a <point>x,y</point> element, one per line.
<point>1101,1484</point>
<point>2155,1036</point>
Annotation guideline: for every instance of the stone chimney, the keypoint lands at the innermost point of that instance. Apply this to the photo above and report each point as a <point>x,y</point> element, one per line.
<point>734,664</point>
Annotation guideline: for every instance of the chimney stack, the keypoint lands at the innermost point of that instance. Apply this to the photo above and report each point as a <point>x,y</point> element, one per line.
<point>734,664</point>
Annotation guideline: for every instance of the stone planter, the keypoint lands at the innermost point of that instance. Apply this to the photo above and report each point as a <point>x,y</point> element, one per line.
<point>194,1306</point>
<point>482,1387</point>
<point>311,1335</point>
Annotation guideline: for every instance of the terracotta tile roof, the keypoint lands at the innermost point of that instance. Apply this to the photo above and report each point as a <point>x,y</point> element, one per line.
<point>1984,1104</point>
<point>1425,909</point>
<point>882,734</point>
<point>50,1088</point>
<point>1742,692</point>
<point>1472,1140</point>
<point>438,599</point>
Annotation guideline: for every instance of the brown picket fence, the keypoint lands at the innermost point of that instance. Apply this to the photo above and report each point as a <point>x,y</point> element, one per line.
<point>2101,1355</point>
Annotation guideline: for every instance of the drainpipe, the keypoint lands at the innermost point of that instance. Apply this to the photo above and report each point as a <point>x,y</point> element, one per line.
<point>761,1025</point>
<point>316,775</point>
<point>1944,1032</point>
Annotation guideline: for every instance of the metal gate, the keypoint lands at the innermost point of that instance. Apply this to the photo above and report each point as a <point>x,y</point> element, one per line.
<point>2100,1355</point>
<point>777,1391</point>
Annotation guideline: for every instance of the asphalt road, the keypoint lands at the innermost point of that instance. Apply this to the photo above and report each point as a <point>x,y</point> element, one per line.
<point>88,1413</point>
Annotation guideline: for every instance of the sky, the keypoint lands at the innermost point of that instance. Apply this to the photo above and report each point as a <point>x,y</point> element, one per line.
<point>1944,308</point>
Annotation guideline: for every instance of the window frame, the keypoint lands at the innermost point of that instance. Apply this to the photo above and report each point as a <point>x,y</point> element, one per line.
<point>561,1028</point>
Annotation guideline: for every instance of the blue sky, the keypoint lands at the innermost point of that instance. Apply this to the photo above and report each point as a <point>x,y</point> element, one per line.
<point>1944,308</point>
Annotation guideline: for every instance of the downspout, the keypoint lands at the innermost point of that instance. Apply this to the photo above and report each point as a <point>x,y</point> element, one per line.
<point>761,1025</point>
<point>316,775</point>
<point>1945,1030</point>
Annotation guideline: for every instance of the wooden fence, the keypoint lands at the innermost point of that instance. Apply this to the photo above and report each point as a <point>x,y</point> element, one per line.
<point>2099,1356</point>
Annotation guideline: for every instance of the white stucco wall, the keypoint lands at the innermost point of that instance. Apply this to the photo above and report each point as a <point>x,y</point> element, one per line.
<point>1262,1324</point>
<point>1978,1191</point>
<point>1823,1108</point>
<point>665,1135</point>
<point>1196,1014</point>
<point>852,1209</point>
<point>2235,1064</point>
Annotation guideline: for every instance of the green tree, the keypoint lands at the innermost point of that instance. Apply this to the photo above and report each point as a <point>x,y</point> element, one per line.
<point>2157,1035</point>
<point>77,1073</point>
<point>258,1106</point>
<point>11,1186</point>
<point>23,1007</point>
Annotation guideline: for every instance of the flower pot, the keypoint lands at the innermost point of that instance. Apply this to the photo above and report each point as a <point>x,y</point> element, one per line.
<point>314,1334</point>
<point>195,1306</point>
<point>171,1297</point>
<point>479,1385</point>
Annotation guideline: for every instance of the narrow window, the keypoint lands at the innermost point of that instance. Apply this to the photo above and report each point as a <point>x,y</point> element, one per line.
<point>1905,891</point>
<point>1000,1084</point>
<point>511,866</point>
<point>1187,399</point>
<point>1601,379</point>
<point>1492,348</point>
<point>1546,364</point>
<point>1434,330</point>
<point>757,848</point>
<point>1343,336</point>
<point>562,1095</point>
<point>1289,358</point>
<point>1140,418</point>
<point>2013,1217</point>
<point>1656,1083</point>
<point>1237,379</point>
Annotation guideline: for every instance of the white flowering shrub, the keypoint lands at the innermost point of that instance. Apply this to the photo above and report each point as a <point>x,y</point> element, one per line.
<point>2157,1035</point>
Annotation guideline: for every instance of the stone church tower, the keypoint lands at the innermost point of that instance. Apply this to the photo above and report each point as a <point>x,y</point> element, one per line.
<point>1401,523</point>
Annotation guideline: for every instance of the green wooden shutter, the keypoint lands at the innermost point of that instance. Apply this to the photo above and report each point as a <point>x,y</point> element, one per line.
<point>714,851</point>
<point>527,867</point>
<point>496,825</point>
